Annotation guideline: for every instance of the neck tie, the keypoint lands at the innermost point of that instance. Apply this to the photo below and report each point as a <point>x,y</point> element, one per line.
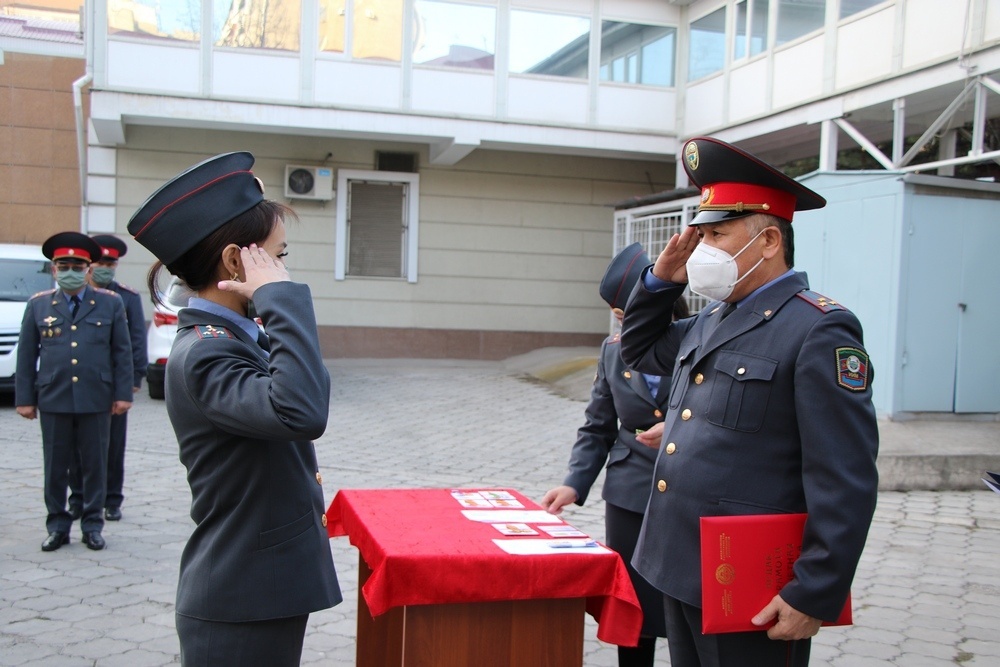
<point>727,311</point>
<point>263,341</point>
<point>75,300</point>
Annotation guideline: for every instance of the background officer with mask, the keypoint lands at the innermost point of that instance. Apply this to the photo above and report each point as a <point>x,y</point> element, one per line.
<point>74,370</point>
<point>770,410</point>
<point>102,274</point>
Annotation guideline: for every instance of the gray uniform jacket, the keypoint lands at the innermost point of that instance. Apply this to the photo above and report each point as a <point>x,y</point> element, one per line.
<point>762,419</point>
<point>84,364</point>
<point>619,394</point>
<point>136,329</point>
<point>244,425</point>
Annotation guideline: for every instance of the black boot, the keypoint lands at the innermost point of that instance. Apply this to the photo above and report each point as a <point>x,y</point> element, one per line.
<point>639,656</point>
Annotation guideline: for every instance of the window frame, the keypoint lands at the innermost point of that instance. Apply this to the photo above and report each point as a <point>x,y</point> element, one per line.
<point>412,181</point>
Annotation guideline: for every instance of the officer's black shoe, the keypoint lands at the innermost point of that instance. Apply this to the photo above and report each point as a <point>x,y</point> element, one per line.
<point>113,513</point>
<point>55,540</point>
<point>93,540</point>
<point>75,512</point>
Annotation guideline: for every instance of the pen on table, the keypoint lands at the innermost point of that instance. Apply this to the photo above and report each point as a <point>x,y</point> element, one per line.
<point>573,545</point>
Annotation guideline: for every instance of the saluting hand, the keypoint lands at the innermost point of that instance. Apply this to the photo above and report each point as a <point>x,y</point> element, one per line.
<point>259,269</point>
<point>671,265</point>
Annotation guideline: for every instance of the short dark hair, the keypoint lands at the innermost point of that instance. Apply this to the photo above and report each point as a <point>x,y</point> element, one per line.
<point>760,221</point>
<point>197,267</point>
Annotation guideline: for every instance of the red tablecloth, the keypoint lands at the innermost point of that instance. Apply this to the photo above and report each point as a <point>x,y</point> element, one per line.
<point>422,550</point>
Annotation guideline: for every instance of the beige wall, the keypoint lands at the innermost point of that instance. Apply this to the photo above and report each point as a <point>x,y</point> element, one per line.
<point>39,179</point>
<point>512,246</point>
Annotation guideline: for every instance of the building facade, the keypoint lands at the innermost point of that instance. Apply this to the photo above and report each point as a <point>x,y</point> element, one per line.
<point>455,164</point>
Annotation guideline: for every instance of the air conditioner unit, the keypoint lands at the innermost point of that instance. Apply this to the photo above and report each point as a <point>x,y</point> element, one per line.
<point>303,182</point>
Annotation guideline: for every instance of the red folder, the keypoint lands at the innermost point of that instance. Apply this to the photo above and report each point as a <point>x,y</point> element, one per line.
<point>745,562</point>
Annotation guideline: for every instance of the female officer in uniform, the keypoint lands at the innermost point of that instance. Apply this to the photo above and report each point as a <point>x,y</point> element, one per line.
<point>244,407</point>
<point>623,429</point>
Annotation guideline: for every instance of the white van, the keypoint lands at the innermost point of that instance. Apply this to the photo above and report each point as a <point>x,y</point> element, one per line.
<point>24,271</point>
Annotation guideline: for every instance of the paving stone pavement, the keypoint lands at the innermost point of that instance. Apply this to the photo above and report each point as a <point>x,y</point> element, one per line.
<point>927,593</point>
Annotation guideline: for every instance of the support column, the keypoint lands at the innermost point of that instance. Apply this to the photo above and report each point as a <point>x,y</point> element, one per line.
<point>828,146</point>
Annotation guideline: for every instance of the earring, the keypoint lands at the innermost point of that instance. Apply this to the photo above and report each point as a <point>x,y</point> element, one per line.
<point>235,276</point>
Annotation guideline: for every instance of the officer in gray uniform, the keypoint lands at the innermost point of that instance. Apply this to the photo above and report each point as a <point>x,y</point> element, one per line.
<point>624,423</point>
<point>78,338</point>
<point>770,409</point>
<point>245,407</point>
<point>102,274</point>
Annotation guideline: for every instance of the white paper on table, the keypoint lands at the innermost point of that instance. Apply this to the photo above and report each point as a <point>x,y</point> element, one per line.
<point>511,516</point>
<point>532,547</point>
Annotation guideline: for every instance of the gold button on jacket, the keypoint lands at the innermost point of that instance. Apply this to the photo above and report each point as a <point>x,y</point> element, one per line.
<point>671,448</point>
<point>319,478</point>
<point>686,414</point>
<point>661,486</point>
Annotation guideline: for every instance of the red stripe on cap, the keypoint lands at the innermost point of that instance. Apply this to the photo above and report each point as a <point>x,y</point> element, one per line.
<point>625,277</point>
<point>59,253</point>
<point>736,196</point>
<point>189,194</point>
<point>109,252</point>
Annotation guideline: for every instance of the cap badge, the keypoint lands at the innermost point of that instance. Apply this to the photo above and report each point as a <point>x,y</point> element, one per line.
<point>706,194</point>
<point>691,155</point>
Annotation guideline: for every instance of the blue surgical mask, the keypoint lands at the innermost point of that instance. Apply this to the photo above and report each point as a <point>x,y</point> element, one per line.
<point>103,275</point>
<point>71,280</point>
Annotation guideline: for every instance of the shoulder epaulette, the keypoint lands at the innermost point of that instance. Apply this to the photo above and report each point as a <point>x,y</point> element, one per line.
<point>823,303</point>
<point>44,292</point>
<point>102,290</point>
<point>210,331</point>
<point>127,288</point>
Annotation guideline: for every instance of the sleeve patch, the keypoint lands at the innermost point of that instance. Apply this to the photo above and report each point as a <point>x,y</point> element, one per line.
<point>208,331</point>
<point>852,368</point>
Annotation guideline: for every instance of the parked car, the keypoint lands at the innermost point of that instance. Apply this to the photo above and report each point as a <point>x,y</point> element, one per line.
<point>161,333</point>
<point>24,271</point>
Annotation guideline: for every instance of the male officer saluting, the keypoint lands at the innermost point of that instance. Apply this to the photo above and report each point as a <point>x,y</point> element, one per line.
<point>103,275</point>
<point>77,337</point>
<point>770,410</point>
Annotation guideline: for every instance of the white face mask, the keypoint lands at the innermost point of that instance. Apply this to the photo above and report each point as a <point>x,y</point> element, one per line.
<point>712,272</point>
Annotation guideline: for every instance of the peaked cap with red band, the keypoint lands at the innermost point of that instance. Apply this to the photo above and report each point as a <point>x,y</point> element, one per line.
<point>195,203</point>
<point>71,245</point>
<point>112,247</point>
<point>735,184</point>
<point>622,275</point>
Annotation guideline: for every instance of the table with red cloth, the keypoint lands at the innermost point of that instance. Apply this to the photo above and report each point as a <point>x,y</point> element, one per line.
<point>418,551</point>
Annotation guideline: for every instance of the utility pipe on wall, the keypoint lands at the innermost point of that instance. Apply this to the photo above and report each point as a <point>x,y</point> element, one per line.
<point>81,145</point>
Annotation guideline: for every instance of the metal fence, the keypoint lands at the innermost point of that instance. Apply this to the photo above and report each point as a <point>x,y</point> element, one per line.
<point>652,226</point>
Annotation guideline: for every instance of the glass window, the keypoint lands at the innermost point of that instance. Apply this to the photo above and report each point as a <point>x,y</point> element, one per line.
<point>260,24</point>
<point>378,218</point>
<point>66,12</point>
<point>636,53</point>
<point>751,18</point>
<point>332,22</point>
<point>376,28</point>
<point>799,17</point>
<point>454,35</point>
<point>852,7</point>
<point>151,18</point>
<point>708,45</point>
<point>554,44</point>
